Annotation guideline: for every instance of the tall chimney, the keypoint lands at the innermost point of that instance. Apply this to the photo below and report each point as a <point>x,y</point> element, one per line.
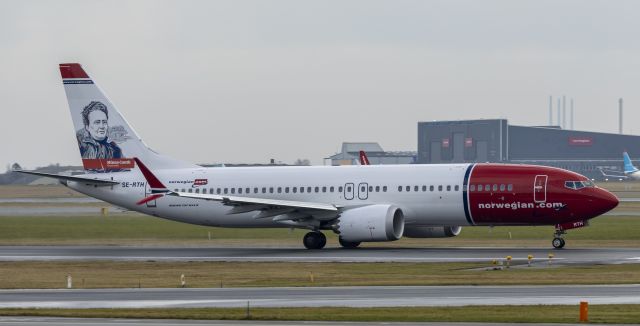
<point>571,115</point>
<point>559,113</point>
<point>620,115</point>
<point>550,110</point>
<point>564,112</point>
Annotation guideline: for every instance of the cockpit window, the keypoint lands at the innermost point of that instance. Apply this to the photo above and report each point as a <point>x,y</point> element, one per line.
<point>575,185</point>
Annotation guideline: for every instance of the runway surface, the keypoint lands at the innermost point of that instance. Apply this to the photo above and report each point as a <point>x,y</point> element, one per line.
<point>475,254</point>
<point>364,296</point>
<point>33,321</point>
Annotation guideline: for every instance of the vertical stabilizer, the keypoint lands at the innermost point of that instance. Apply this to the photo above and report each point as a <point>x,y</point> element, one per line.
<point>628,166</point>
<point>106,141</point>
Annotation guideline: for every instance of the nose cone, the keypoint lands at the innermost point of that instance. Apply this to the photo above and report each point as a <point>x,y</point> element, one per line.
<point>605,201</point>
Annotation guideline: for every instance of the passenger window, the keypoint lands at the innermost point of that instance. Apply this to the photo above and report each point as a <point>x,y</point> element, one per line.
<point>502,187</point>
<point>183,190</point>
<point>449,188</point>
<point>487,187</point>
<point>510,187</point>
<point>363,189</point>
<point>340,189</point>
<point>239,190</point>
<point>264,190</point>
<point>308,189</point>
<point>301,190</point>
<point>431,188</point>
<point>226,191</point>
<point>317,189</point>
<point>495,187</point>
<point>472,188</point>
<point>331,189</point>
<point>457,188</point>
<point>295,190</point>
<point>384,188</point>
<point>399,188</point>
<point>176,190</point>
<point>248,190</point>
<point>370,188</point>
<point>279,190</point>
<point>439,188</point>
<point>190,190</point>
<point>377,188</point>
<point>218,191</point>
<point>270,190</point>
<point>408,188</point>
<point>197,190</point>
<point>324,189</point>
<point>286,190</point>
<point>255,190</point>
<point>416,188</point>
<point>348,188</point>
<point>424,188</point>
<point>233,190</point>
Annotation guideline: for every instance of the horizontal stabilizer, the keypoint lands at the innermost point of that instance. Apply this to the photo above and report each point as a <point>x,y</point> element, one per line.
<point>85,180</point>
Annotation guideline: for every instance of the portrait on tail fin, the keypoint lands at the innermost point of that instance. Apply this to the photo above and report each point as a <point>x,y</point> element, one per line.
<point>95,139</point>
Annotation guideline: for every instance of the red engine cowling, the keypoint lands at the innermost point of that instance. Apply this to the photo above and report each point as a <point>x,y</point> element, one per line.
<point>371,223</point>
<point>432,231</point>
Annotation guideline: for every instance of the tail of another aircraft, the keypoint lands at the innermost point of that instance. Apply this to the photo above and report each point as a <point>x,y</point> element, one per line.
<point>628,166</point>
<point>106,141</point>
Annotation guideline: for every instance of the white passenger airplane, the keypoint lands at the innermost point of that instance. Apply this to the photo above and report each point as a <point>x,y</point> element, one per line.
<point>630,171</point>
<point>360,203</point>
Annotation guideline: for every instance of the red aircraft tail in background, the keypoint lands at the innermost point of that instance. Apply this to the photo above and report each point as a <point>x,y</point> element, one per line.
<point>364,160</point>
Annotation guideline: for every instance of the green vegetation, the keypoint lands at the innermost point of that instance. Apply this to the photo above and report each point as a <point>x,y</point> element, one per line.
<point>110,274</point>
<point>619,314</point>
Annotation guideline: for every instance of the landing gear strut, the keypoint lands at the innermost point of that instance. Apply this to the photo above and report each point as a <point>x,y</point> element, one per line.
<point>314,240</point>
<point>558,241</point>
<point>348,244</point>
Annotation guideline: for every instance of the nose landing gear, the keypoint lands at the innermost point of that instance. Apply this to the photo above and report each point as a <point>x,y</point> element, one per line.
<point>558,241</point>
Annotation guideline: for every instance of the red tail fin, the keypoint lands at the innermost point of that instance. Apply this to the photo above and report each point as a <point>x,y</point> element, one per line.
<point>364,160</point>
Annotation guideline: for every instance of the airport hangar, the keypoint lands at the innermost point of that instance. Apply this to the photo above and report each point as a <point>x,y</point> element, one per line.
<point>497,141</point>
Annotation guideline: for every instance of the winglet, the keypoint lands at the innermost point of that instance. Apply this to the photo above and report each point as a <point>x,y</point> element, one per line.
<point>154,183</point>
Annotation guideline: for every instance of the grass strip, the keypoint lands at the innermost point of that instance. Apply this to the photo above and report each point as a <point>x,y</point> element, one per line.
<point>137,229</point>
<point>620,314</point>
<point>106,274</point>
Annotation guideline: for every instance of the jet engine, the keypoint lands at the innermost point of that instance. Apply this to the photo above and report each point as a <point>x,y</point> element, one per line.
<point>371,223</point>
<point>432,231</point>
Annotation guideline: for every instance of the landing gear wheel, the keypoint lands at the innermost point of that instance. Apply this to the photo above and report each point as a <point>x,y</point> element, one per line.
<point>348,244</point>
<point>558,243</point>
<point>314,240</point>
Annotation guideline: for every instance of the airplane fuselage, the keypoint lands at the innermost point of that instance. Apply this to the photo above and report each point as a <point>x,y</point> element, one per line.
<point>446,194</point>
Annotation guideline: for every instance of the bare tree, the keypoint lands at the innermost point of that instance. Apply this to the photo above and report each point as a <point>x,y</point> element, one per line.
<point>302,161</point>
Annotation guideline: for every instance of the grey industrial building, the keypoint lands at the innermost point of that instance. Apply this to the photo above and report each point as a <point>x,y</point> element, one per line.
<point>496,141</point>
<point>349,155</point>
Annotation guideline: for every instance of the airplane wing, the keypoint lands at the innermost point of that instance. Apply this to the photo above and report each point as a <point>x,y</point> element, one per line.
<point>85,180</point>
<point>280,210</point>
<point>269,207</point>
<point>620,176</point>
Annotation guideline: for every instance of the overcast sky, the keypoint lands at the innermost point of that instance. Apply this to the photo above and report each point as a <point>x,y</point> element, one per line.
<point>245,81</point>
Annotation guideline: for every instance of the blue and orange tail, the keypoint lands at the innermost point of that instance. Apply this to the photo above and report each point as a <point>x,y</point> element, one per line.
<point>628,166</point>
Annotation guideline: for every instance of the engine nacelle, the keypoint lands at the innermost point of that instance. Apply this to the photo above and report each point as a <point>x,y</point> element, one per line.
<point>432,231</point>
<point>371,223</point>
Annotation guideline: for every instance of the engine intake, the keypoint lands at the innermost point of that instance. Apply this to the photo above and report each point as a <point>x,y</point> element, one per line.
<point>432,231</point>
<point>371,223</point>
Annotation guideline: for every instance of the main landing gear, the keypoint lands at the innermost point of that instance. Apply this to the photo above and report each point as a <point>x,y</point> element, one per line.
<point>314,240</point>
<point>348,244</point>
<point>558,241</point>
